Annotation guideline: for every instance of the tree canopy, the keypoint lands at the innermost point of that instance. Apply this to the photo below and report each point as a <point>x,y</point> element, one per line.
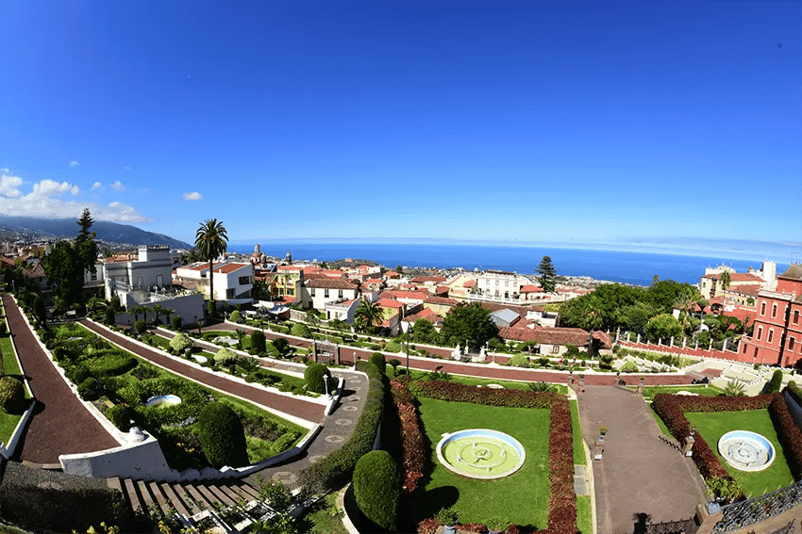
<point>548,276</point>
<point>66,263</point>
<point>468,323</point>
<point>368,316</point>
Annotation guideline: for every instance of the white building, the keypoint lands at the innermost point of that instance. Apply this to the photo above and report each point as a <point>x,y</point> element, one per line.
<point>152,269</point>
<point>233,281</point>
<point>319,292</point>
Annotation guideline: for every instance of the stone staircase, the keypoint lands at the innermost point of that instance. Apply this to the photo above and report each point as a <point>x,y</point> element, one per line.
<point>193,504</point>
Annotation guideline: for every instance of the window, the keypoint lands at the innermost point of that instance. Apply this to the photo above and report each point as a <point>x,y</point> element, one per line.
<point>244,280</point>
<point>230,293</point>
<point>771,335</point>
<point>326,293</point>
<point>339,293</point>
<point>555,349</point>
<point>774,311</point>
<point>791,344</point>
<point>796,316</point>
<point>759,332</point>
<point>312,292</point>
<point>763,308</point>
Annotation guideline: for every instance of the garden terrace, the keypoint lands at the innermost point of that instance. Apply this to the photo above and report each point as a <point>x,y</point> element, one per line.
<point>508,411</point>
<point>680,413</point>
<point>119,383</point>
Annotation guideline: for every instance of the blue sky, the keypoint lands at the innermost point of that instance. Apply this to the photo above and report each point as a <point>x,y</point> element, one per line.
<point>524,121</point>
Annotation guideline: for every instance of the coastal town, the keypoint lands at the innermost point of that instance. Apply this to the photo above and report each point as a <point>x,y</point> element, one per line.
<point>256,327</point>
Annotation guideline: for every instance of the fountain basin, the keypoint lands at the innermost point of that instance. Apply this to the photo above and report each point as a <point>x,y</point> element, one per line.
<point>162,401</point>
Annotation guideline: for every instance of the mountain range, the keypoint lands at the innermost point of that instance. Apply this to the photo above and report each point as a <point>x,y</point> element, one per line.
<point>106,232</point>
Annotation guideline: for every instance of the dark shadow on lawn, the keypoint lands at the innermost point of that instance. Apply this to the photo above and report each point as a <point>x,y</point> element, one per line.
<point>428,503</point>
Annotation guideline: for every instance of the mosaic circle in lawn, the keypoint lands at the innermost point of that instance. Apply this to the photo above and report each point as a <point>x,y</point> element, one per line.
<point>481,453</point>
<point>746,451</point>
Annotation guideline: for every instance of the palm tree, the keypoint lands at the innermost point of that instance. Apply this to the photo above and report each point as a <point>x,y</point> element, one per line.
<point>726,280</point>
<point>368,315</point>
<point>211,239</point>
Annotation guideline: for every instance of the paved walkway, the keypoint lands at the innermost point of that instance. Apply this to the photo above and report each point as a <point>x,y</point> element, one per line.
<point>639,473</point>
<point>60,424</point>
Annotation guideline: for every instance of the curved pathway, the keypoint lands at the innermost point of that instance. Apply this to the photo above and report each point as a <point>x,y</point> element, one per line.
<point>60,424</point>
<point>638,473</point>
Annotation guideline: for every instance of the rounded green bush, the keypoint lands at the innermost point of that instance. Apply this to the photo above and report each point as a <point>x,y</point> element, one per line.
<point>181,342</point>
<point>89,389</point>
<point>225,356</point>
<point>258,344</point>
<point>377,359</point>
<point>140,327</point>
<point>175,321</point>
<point>120,416</point>
<point>519,360</point>
<point>629,367</point>
<point>12,395</point>
<point>111,317</point>
<point>776,382</point>
<point>377,488</point>
<point>314,375</point>
<point>235,317</point>
<point>222,437</point>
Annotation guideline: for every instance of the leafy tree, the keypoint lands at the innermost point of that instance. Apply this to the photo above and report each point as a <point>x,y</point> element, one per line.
<point>65,273</point>
<point>368,316</point>
<point>399,269</point>
<point>470,324</point>
<point>663,326</point>
<point>282,346</point>
<point>258,344</point>
<point>211,239</point>
<point>548,276</point>
<point>85,246</point>
<point>423,331</point>
<point>181,342</point>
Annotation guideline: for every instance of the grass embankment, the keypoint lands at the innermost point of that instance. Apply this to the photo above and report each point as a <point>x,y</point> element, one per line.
<point>521,498</point>
<point>9,422</point>
<point>584,513</point>
<point>484,382</point>
<point>705,390</point>
<point>714,425</point>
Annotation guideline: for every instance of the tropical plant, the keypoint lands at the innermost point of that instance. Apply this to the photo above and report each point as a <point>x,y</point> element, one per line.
<point>726,280</point>
<point>734,388</point>
<point>368,316</point>
<point>282,347</point>
<point>544,387</point>
<point>211,239</point>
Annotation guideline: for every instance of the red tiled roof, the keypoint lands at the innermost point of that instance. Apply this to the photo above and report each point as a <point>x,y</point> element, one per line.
<point>469,283</point>
<point>389,303</point>
<point>442,290</point>
<point>549,336</point>
<point>372,281</point>
<point>745,289</point>
<point>737,277</point>
<point>415,295</point>
<point>330,283</point>
<point>426,313</point>
<point>531,289</point>
<point>424,279</point>
<point>230,267</point>
<point>441,300</point>
<point>334,273</point>
<point>289,268</point>
<point>312,270</point>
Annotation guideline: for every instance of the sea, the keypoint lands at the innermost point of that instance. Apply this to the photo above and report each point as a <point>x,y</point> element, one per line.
<point>636,268</point>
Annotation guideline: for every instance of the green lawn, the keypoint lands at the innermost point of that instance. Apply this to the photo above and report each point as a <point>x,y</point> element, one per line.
<point>576,430</point>
<point>8,422</point>
<point>714,425</point>
<point>702,390</point>
<point>10,364</point>
<point>584,514</point>
<point>521,498</point>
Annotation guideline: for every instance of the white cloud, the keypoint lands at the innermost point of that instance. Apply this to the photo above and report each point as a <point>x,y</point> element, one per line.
<point>118,185</point>
<point>48,198</point>
<point>74,163</point>
<point>194,195</point>
<point>96,185</point>
<point>9,185</point>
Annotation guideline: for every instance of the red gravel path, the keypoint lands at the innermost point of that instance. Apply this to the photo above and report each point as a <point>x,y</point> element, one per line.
<point>61,424</point>
<point>295,406</point>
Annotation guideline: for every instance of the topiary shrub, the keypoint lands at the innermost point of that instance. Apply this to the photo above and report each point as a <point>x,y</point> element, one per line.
<point>377,359</point>
<point>225,356</point>
<point>120,416</point>
<point>393,346</point>
<point>235,317</point>
<point>221,436</point>
<point>140,326</point>
<point>175,322</point>
<point>12,395</point>
<point>377,488</point>
<point>300,330</point>
<point>181,342</point>
<point>629,367</point>
<point>258,344</point>
<point>314,375</point>
<point>110,317</point>
<point>776,382</point>
<point>89,389</point>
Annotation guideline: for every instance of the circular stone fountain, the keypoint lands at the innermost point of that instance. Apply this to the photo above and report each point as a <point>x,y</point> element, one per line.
<point>746,451</point>
<point>162,401</point>
<point>481,453</point>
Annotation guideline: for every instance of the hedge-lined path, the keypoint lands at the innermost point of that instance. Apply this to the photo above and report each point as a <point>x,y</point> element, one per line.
<point>60,424</point>
<point>638,473</point>
<point>477,370</point>
<point>335,428</point>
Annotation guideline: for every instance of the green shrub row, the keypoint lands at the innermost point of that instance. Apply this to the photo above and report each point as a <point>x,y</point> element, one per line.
<point>335,470</point>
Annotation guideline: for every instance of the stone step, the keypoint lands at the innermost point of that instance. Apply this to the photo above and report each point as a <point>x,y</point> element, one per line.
<point>132,497</point>
<point>160,499</point>
<point>171,496</point>
<point>147,499</point>
<point>190,503</point>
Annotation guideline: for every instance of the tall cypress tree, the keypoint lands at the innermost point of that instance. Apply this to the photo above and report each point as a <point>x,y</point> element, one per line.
<point>548,276</point>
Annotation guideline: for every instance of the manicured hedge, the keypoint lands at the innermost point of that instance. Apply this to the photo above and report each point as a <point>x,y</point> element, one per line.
<point>335,469</point>
<point>258,344</point>
<point>776,382</point>
<point>377,359</point>
<point>376,488</point>
<point>315,375</point>
<point>222,437</point>
<point>788,433</point>
<point>12,395</point>
<point>795,392</point>
<point>413,450</point>
<point>562,499</point>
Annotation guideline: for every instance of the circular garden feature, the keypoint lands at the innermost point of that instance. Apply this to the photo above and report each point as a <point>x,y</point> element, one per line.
<point>481,453</point>
<point>162,401</point>
<point>746,451</point>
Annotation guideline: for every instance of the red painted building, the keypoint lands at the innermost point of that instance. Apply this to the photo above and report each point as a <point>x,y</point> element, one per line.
<point>777,335</point>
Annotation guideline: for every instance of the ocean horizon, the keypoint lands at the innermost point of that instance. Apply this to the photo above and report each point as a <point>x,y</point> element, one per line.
<point>637,268</point>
